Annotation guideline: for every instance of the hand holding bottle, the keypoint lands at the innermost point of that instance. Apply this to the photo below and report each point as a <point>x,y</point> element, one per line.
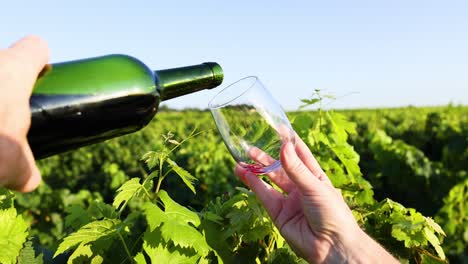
<point>313,216</point>
<point>19,67</point>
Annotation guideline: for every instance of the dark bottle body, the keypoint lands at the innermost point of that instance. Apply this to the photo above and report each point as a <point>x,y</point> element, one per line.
<point>87,101</point>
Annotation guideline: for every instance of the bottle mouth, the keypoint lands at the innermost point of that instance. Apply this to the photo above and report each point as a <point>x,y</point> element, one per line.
<point>229,94</point>
<point>218,74</point>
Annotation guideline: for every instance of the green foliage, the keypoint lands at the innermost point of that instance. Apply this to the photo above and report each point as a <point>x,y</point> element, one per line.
<point>173,229</point>
<point>454,218</point>
<point>77,217</point>
<point>186,177</point>
<point>415,156</point>
<point>89,233</point>
<point>328,141</point>
<point>405,232</point>
<point>102,204</point>
<point>398,160</point>
<point>126,192</point>
<point>13,233</point>
<point>171,232</point>
<point>239,229</point>
<point>284,256</point>
<point>6,198</point>
<point>28,255</point>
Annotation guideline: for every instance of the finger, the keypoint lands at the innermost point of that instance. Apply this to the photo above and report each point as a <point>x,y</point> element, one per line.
<point>240,172</point>
<point>270,198</point>
<point>17,168</point>
<point>279,177</point>
<point>32,50</point>
<point>30,180</point>
<point>260,156</point>
<point>309,160</point>
<point>22,62</point>
<point>298,172</point>
<point>285,132</point>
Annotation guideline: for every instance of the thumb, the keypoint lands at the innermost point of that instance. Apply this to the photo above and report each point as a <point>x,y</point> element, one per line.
<point>30,180</point>
<point>17,167</point>
<point>297,171</point>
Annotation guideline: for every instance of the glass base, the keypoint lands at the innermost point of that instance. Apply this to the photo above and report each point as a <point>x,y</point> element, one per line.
<point>260,169</point>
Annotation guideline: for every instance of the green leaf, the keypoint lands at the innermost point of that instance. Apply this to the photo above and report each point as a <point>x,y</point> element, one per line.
<point>13,233</point>
<point>85,254</point>
<point>154,216</point>
<point>140,258</point>
<point>148,183</point>
<point>160,252</point>
<point>28,255</point>
<point>280,242</point>
<point>308,102</point>
<point>185,236</point>
<point>98,210</point>
<point>340,122</point>
<point>221,248</point>
<point>126,192</point>
<point>6,198</point>
<point>177,224</point>
<point>436,227</point>
<point>302,123</point>
<point>89,233</point>
<point>77,217</point>
<point>186,177</point>
<point>177,212</point>
<point>153,159</point>
<point>213,217</point>
<point>247,218</point>
<point>284,255</point>
<point>349,158</point>
<point>97,260</point>
<point>432,238</point>
<point>81,252</point>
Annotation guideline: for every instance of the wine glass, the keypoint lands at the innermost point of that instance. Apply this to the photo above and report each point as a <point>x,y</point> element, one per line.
<point>252,124</point>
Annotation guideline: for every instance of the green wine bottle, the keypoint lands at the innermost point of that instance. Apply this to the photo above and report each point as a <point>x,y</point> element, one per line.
<point>83,102</point>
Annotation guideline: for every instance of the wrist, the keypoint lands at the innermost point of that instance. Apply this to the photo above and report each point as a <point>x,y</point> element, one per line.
<point>361,248</point>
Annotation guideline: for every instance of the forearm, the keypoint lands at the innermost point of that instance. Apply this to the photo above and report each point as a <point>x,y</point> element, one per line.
<point>363,249</point>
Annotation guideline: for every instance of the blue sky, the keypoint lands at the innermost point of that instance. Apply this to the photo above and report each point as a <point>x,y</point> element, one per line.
<point>382,53</point>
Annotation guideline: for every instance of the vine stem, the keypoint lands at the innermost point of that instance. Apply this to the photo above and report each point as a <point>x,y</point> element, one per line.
<point>320,116</point>
<point>159,185</point>
<point>429,254</point>
<point>163,159</point>
<point>161,178</point>
<point>146,192</point>
<point>125,247</point>
<point>191,135</point>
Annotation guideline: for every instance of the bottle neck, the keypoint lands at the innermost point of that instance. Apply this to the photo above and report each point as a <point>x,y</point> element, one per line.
<point>185,80</point>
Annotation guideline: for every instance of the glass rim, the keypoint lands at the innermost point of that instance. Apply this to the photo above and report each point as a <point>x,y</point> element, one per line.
<point>211,104</point>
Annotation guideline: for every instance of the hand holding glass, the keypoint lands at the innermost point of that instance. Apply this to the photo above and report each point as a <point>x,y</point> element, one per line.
<point>252,124</point>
